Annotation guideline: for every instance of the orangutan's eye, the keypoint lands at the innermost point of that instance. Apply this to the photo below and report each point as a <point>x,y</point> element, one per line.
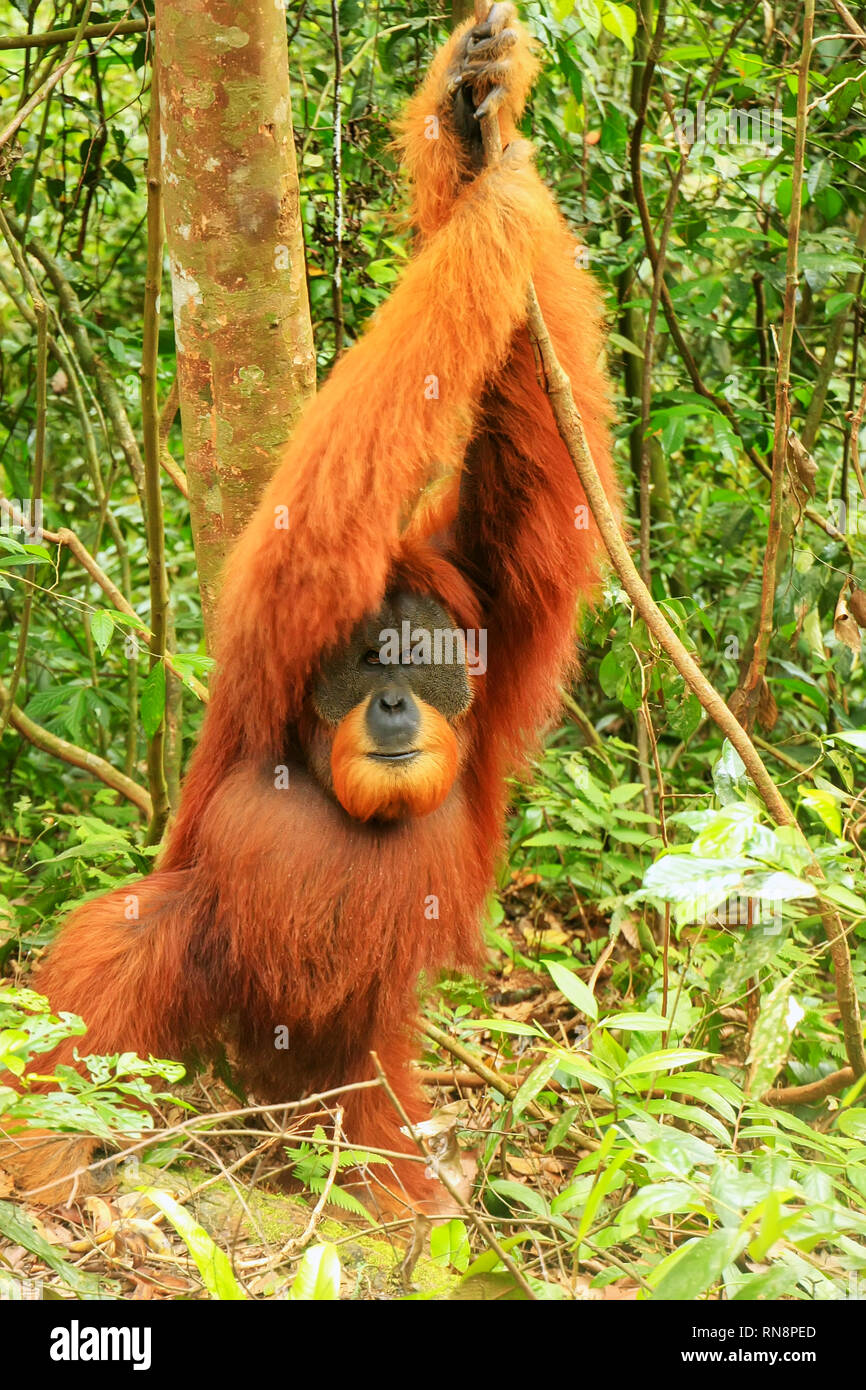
<point>371,658</point>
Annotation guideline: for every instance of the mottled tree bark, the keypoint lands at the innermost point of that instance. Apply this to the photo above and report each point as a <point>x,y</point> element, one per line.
<point>246,362</point>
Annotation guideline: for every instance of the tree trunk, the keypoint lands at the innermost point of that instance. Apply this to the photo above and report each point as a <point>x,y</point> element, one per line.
<point>246,360</point>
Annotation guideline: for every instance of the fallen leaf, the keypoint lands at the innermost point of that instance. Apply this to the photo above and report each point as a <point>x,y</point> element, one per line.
<point>857,606</point>
<point>844,625</point>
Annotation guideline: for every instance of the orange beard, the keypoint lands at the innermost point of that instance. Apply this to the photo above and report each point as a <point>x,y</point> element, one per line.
<point>368,788</point>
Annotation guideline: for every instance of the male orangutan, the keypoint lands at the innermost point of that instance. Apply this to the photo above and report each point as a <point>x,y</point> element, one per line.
<point>344,810</point>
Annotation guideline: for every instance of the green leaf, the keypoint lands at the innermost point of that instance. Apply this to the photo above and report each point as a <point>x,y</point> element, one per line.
<point>696,1265</point>
<point>503,1025</point>
<point>535,1082</point>
<point>101,628</point>
<point>153,700</point>
<point>524,1196</point>
<point>605,1182</point>
<point>853,1123</point>
<point>318,1276</point>
<point>575,1064</point>
<point>637,1022</point>
<point>777,886</point>
<point>19,1229</point>
<point>836,303</point>
<point>838,893</point>
<point>825,806</point>
<point>664,1060</point>
<point>449,1245</point>
<point>489,1259</point>
<point>587,11</point>
<point>729,775</point>
<point>657,1199</point>
<point>212,1263</point>
<point>573,987</point>
<point>626,791</point>
<point>692,879</point>
<point>771,1039</point>
<point>620,21</point>
<point>122,173</point>
<point>382,272</point>
<point>625,344</point>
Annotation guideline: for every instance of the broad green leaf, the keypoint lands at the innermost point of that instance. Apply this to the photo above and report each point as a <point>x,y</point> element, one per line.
<point>637,1022</point>
<point>449,1245</point>
<point>772,1224</point>
<point>489,1259</point>
<point>778,886</point>
<point>575,1064</point>
<point>771,1039</point>
<point>825,806</point>
<point>695,1265</point>
<point>212,1263</point>
<point>729,775</point>
<point>658,1199</point>
<point>101,628</point>
<point>853,1122</point>
<point>693,879</point>
<point>619,20</point>
<point>523,1196</point>
<point>588,13</point>
<point>153,700</point>
<point>625,345</point>
<point>318,1276</point>
<point>573,987</point>
<point>838,893</point>
<point>626,791</point>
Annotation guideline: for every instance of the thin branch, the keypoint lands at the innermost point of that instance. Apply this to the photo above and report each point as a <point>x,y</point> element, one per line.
<point>167,415</point>
<point>41,315</point>
<point>853,286</point>
<point>337,172</point>
<point>723,406</point>
<point>570,426</point>
<point>158,578</point>
<point>52,37</point>
<point>849,21</point>
<point>854,436</point>
<point>47,87</point>
<point>75,545</point>
<point>77,757</point>
<point>648,350</point>
<point>480,1225</point>
<point>571,429</point>
<point>751,684</point>
<point>93,365</point>
<point>814,1090</point>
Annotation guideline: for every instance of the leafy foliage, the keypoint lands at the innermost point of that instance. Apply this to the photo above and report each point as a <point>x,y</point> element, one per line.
<point>660,957</point>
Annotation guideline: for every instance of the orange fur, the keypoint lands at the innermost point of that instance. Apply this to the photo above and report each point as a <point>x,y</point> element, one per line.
<point>273,906</point>
<point>390,791</point>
